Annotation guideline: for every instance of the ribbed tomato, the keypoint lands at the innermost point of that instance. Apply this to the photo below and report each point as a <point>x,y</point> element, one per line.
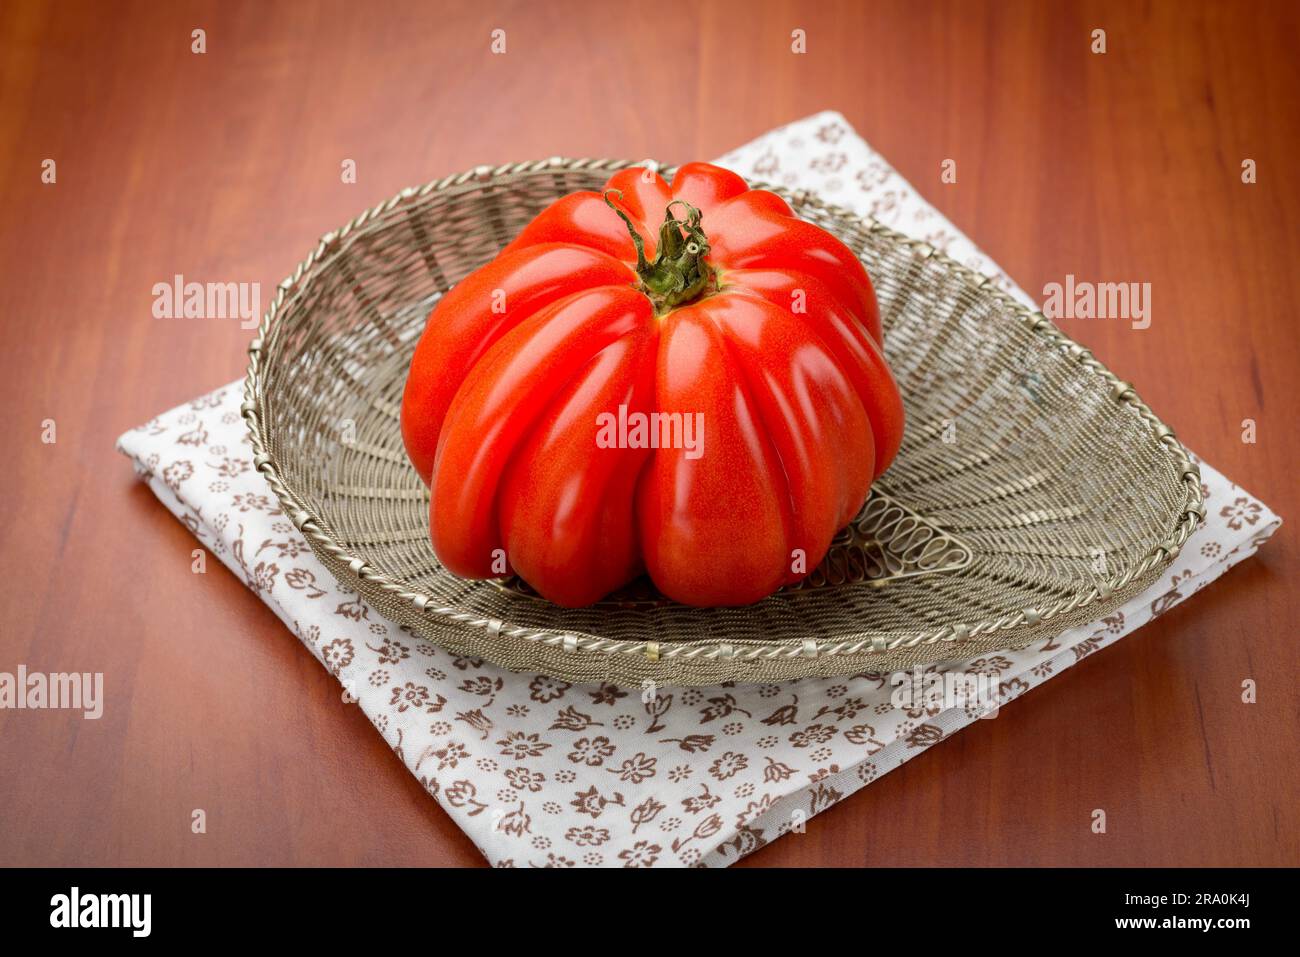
<point>705,401</point>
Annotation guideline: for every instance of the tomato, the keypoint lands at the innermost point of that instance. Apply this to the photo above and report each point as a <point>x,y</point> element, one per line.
<point>705,402</point>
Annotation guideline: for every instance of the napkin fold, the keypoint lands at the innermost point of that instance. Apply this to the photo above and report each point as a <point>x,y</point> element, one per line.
<point>539,772</point>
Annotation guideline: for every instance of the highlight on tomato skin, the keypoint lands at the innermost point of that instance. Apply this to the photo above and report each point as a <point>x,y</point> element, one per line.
<point>681,380</point>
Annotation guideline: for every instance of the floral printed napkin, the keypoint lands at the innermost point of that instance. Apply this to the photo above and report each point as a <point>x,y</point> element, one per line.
<point>542,773</point>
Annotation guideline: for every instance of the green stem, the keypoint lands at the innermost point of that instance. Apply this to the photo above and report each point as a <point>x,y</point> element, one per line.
<point>679,273</point>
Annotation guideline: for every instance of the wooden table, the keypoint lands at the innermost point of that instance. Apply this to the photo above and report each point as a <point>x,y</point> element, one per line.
<point>226,166</point>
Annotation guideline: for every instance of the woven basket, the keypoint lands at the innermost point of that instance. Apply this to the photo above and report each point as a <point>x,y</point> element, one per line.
<point>1034,490</point>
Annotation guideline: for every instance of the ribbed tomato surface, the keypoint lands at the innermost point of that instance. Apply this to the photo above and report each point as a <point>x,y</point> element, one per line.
<point>709,409</point>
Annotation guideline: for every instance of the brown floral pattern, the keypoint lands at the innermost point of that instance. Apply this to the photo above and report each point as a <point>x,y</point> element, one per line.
<point>541,773</point>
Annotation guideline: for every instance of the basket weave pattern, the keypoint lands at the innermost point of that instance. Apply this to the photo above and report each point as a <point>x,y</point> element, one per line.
<point>1047,491</point>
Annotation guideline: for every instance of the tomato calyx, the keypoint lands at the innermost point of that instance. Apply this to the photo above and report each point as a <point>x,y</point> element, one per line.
<point>679,273</point>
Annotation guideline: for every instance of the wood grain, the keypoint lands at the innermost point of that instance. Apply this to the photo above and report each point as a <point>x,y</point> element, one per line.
<point>225,166</point>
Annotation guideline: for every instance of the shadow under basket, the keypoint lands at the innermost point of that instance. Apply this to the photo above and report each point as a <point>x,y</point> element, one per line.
<point>1034,490</point>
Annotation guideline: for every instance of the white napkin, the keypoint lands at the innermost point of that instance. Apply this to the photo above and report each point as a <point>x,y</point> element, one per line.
<point>542,773</point>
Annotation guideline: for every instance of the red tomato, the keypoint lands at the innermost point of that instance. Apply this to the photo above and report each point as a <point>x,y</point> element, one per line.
<point>706,401</point>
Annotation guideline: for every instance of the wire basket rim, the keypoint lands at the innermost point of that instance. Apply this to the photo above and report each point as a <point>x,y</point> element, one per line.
<point>256,402</point>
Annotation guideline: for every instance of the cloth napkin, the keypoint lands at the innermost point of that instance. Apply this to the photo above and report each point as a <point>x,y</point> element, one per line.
<point>542,773</point>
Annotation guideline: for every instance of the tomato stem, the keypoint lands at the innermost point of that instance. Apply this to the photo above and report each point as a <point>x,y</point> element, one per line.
<point>679,273</point>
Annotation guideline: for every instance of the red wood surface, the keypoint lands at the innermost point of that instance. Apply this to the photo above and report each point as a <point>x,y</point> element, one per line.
<point>1123,166</point>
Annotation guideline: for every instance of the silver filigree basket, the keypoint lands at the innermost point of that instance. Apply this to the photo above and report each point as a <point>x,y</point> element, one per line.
<point>1034,490</point>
